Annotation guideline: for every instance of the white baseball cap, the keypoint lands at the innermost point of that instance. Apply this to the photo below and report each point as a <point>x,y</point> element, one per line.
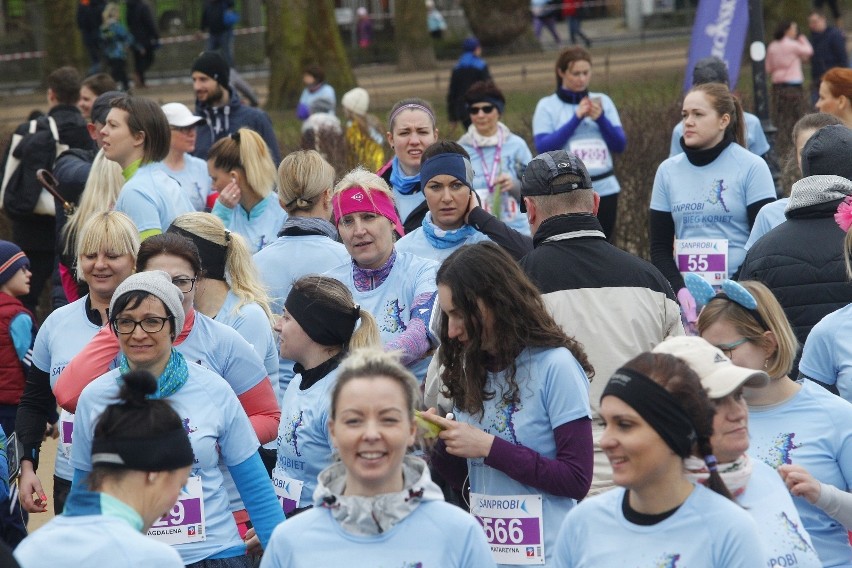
<point>179,115</point>
<point>719,376</point>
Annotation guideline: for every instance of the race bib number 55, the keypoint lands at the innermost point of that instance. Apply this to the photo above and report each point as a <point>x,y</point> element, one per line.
<point>513,526</point>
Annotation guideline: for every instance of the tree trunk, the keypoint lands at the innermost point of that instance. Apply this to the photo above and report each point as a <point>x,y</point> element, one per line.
<point>502,26</point>
<point>413,43</point>
<point>61,37</point>
<point>300,33</point>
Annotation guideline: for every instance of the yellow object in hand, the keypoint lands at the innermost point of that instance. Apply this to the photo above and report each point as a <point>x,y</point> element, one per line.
<point>430,429</point>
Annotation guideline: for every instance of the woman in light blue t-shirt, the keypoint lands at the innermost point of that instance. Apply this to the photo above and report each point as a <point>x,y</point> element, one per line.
<point>522,432</point>
<point>377,505</point>
<point>657,414</point>
<point>242,171</point>
<point>141,460</point>
<point>790,423</point>
<point>319,325</point>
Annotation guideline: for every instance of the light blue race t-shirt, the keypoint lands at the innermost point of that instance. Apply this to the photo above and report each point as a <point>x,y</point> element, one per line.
<point>553,390</point>
<point>62,335</point>
<point>710,202</point>
<point>707,531</point>
<point>827,354</point>
<point>193,179</point>
<point>811,429</point>
<point>260,226</point>
<point>251,322</point>
<point>587,142</point>
<point>770,216</point>
<point>417,244</point>
<point>152,199</point>
<point>218,429</point>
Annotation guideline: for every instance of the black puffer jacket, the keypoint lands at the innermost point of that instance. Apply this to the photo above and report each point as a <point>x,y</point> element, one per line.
<point>802,259</point>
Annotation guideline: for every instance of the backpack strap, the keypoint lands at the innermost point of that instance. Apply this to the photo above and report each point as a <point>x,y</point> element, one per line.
<point>54,130</point>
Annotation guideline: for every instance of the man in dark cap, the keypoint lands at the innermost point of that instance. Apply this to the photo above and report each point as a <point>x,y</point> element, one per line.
<point>615,304</point>
<point>714,70</point>
<point>220,105</point>
<point>802,259</point>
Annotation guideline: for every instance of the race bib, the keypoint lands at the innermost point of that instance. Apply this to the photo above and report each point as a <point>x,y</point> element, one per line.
<point>509,206</point>
<point>707,258</point>
<point>185,522</point>
<point>66,431</point>
<point>513,525</point>
<point>593,152</point>
<point>288,490</point>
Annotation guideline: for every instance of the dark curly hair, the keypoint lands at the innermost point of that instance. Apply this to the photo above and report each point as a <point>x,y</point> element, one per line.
<point>484,273</point>
<point>684,385</point>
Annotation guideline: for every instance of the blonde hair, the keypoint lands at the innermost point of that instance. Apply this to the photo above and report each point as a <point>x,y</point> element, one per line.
<point>780,363</point>
<point>303,177</point>
<point>360,177</point>
<point>246,150</point>
<point>110,231</point>
<point>99,195</point>
<point>334,294</point>
<point>111,12</point>
<point>374,363</point>
<point>243,279</point>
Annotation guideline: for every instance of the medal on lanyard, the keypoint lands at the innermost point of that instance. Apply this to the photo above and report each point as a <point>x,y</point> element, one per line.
<point>491,176</point>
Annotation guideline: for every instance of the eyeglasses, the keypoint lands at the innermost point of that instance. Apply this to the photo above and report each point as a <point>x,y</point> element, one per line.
<point>152,324</point>
<point>185,285</point>
<point>728,348</point>
<point>487,109</point>
<point>184,129</point>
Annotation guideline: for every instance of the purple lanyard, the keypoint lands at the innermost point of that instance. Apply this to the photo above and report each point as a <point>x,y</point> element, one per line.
<point>490,177</point>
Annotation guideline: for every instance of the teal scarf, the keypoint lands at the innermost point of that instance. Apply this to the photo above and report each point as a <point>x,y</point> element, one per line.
<point>173,378</point>
<point>441,239</point>
<point>404,184</point>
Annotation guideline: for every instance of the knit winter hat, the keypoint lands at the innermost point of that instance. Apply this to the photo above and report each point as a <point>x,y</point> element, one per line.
<point>213,65</point>
<point>470,44</point>
<point>828,151</point>
<point>356,101</point>
<point>159,284</point>
<point>12,259</point>
<point>710,70</point>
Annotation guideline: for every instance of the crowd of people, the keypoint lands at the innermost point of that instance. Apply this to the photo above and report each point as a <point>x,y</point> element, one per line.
<point>440,359</point>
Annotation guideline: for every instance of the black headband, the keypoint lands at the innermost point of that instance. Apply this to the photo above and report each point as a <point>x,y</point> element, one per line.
<point>213,256</point>
<point>324,325</point>
<point>168,451</point>
<point>656,406</point>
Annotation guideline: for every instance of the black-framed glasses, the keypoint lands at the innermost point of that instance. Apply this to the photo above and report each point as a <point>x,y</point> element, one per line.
<point>185,285</point>
<point>728,348</point>
<point>152,324</point>
<point>487,109</point>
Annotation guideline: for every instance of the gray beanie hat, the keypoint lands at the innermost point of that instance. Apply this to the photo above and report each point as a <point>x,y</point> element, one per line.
<point>710,70</point>
<point>159,284</point>
<point>828,151</point>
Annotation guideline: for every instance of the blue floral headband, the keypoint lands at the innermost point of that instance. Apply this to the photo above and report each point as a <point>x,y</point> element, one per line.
<point>731,291</point>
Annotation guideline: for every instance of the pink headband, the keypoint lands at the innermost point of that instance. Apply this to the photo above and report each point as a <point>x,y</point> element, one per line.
<point>361,200</point>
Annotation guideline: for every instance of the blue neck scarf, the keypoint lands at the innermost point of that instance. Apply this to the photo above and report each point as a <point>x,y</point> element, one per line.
<point>173,378</point>
<point>441,239</point>
<point>404,184</point>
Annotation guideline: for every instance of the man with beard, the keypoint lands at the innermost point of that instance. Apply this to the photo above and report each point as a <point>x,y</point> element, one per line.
<point>221,108</point>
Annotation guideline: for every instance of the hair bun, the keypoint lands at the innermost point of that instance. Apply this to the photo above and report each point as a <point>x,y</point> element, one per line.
<point>137,385</point>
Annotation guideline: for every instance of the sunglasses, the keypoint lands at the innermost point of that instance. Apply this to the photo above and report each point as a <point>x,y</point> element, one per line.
<point>487,109</point>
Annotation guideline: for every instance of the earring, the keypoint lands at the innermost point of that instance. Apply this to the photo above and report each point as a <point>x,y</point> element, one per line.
<point>766,364</point>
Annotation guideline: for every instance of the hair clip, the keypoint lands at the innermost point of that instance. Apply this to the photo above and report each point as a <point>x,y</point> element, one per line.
<point>843,217</point>
<point>227,236</point>
<point>356,310</point>
<point>711,462</point>
<point>236,136</point>
<point>732,291</point>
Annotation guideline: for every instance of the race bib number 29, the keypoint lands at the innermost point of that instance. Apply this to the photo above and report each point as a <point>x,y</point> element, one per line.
<point>185,522</point>
<point>513,527</point>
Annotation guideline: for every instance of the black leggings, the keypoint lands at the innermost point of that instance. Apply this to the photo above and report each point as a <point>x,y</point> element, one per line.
<point>607,212</point>
<point>61,489</point>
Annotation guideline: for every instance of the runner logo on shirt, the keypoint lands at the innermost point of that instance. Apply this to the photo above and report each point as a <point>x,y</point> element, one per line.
<point>291,432</point>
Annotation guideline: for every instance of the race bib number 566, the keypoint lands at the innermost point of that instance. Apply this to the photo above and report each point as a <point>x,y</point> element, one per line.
<point>513,526</point>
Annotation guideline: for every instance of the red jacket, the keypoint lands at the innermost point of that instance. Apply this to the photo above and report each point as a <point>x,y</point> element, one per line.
<point>12,374</point>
